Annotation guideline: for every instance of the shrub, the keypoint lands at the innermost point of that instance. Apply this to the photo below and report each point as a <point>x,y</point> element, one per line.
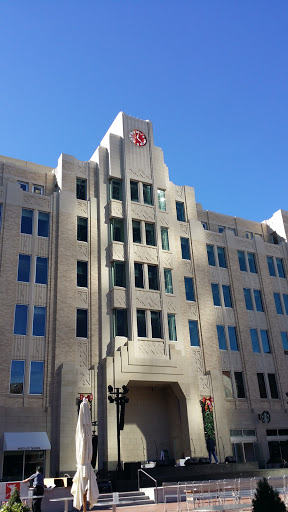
<point>267,499</point>
<point>14,504</point>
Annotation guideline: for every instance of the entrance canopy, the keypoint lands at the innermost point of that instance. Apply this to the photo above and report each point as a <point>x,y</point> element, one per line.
<point>26,441</point>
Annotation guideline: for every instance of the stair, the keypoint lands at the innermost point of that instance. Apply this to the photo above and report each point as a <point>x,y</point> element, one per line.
<point>126,499</point>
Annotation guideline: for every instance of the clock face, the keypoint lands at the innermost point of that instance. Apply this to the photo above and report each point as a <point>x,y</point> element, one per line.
<point>138,138</point>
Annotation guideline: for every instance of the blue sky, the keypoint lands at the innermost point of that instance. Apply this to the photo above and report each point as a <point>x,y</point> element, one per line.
<point>210,74</point>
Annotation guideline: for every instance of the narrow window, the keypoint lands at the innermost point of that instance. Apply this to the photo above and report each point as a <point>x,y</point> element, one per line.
<point>221,337</point>
<point>39,321</point>
<point>153,277</point>
<point>138,270</point>
<point>204,225</point>
<point>118,274</point>
<point>240,390</point>
<point>227,296</point>
<point>161,200</point>
<point>0,215</point>
<point>258,300</point>
<point>278,304</point>
<point>38,189</point>
<point>117,230</point>
<point>134,191</point>
<point>194,333</point>
<point>150,234</point>
<point>27,221</point>
<point>242,261</point>
<point>156,324</point>
<point>273,385</point>
<point>211,255</point>
<point>249,235</point>
<point>41,274</point>
<point>248,299</point>
<point>271,266</point>
<point>120,325</point>
<point>82,229</point>
<point>255,341</point>
<point>168,280</point>
<point>221,257</point>
<point>265,341</point>
<point>24,268</point>
<point>185,248</point>
<point>228,390</point>
<point>82,274</point>
<point>216,294</point>
<point>284,337</point>
<point>221,229</point>
<point>180,212</point>
<point>17,377</point>
<point>233,338</point>
<point>280,267</point>
<point>81,189</point>
<point>81,323</point>
<point>262,385</point>
<point>116,189</point>
<point>189,288</point>
<point>165,239</point>
<point>147,194</point>
<point>172,327</point>
<point>43,224</point>
<point>141,323</point>
<point>285,299</point>
<point>24,186</point>
<point>136,230</point>
<point>252,262</point>
<point>36,378</point>
<point>20,319</point>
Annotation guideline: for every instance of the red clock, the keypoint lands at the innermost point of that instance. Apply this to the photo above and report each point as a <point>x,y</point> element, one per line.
<point>138,138</point>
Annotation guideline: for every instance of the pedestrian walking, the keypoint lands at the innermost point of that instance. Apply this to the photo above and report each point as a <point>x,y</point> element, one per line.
<point>210,444</point>
<point>38,489</point>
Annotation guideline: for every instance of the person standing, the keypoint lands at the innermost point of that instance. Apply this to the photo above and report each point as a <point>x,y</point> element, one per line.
<point>210,444</point>
<point>38,489</point>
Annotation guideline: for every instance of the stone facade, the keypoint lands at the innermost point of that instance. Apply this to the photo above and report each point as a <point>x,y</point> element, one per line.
<point>166,379</point>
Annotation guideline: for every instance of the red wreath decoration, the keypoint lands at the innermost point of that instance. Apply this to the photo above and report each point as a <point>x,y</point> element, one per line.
<point>208,403</point>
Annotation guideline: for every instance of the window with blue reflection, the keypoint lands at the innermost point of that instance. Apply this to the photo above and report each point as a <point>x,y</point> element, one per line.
<point>233,338</point>
<point>24,261</point>
<point>258,300</point>
<point>227,296</point>
<point>194,333</point>
<point>265,341</point>
<point>172,327</point>
<point>39,321</point>
<point>242,261</point>
<point>43,224</point>
<point>20,319</point>
<point>168,280</point>
<point>211,255</point>
<point>278,304</point>
<point>285,300</point>
<point>27,221</point>
<point>161,200</point>
<point>221,337</point>
<point>180,212</point>
<point>147,194</point>
<point>252,262</point>
<point>271,266</point>
<point>189,288</point>
<point>36,378</point>
<point>248,299</point>
<point>221,257</point>
<point>216,294</point>
<point>284,337</point>
<point>17,377</point>
<point>165,239</point>
<point>41,273</point>
<point>280,267</point>
<point>255,341</point>
<point>185,248</point>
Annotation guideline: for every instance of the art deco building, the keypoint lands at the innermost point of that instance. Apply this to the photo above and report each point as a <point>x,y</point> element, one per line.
<point>110,274</point>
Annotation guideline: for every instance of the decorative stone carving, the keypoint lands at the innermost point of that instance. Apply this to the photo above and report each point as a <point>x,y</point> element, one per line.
<point>218,315</point>
<point>82,250</point>
<point>142,212</point>
<point>183,228</point>
<point>116,209</point>
<point>192,310</point>
<point>179,192</point>
<point>145,254</point>
<point>204,385</point>
<point>147,300</point>
<point>230,316</point>
<point>42,247</point>
<point>144,174</point>
<point>171,305</point>
<point>198,361</point>
<point>37,353</point>
<point>82,297</point>
<point>215,238</point>
<point>163,219</point>
<point>84,378</point>
<point>214,274</point>
<point>82,354</point>
<point>117,251</point>
<point>81,168</point>
<point>244,243</point>
<point>36,201</point>
<point>82,208</point>
<point>26,242</point>
<point>273,250</point>
<point>187,268</point>
<point>40,294</point>
<point>22,293</point>
<point>19,347</point>
<point>167,260</point>
<point>150,349</point>
<point>118,298</point>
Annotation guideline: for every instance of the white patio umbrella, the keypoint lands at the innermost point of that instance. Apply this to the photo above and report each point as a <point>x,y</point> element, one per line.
<point>84,486</point>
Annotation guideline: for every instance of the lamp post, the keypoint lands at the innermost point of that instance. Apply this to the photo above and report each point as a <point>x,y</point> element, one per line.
<point>120,399</point>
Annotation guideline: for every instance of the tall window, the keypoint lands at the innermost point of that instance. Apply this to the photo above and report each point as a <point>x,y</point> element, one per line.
<point>17,377</point>
<point>81,189</point>
<point>147,194</point>
<point>189,288</point>
<point>172,327</point>
<point>38,189</point>
<point>82,274</point>
<point>156,324</point>
<point>233,338</point>
<point>41,274</point>
<point>136,231</point>
<point>285,300</point>
<point>242,261</point>
<point>265,341</point>
<point>0,215</point>
<point>165,239</point>
<point>139,280</point>
<point>141,323</point>
<point>240,390</point>
<point>161,200</point>
<point>194,333</point>
<point>27,221</point>
<point>273,385</point>
<point>255,340</point>
<point>227,296</point>
<point>153,277</point>
<point>117,230</point>
<point>20,319</point>
<point>216,294</point>
<point>221,337</point>
<point>81,323</point>
<point>134,191</point>
<point>120,324</point>
<point>271,266</point>
<point>221,257</point>
<point>258,300</point>
<point>262,385</point>
<point>43,224</point>
<point>278,304</point>
<point>24,268</point>
<point>227,381</point>
<point>248,299</point>
<point>36,377</point>
<point>168,280</point>
<point>284,337</point>
<point>118,274</point>
<point>185,248</point>
<point>252,262</point>
<point>150,234</point>
<point>280,267</point>
<point>180,211</point>
<point>39,321</point>
<point>211,255</point>
<point>115,189</point>
<point>82,229</point>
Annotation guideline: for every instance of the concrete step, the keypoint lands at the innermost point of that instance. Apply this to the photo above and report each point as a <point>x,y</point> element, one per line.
<point>126,499</point>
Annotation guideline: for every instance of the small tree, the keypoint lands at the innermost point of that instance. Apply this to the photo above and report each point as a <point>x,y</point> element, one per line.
<point>267,499</point>
<point>14,504</point>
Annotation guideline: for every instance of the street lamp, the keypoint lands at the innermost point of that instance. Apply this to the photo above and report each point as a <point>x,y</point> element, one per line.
<point>120,399</point>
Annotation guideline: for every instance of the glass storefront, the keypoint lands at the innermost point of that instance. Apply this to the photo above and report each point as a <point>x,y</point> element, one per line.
<point>18,465</point>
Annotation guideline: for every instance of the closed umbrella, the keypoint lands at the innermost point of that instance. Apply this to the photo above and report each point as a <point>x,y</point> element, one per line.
<point>84,486</point>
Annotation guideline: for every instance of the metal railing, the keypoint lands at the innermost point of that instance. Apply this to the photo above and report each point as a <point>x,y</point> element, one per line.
<point>151,477</point>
